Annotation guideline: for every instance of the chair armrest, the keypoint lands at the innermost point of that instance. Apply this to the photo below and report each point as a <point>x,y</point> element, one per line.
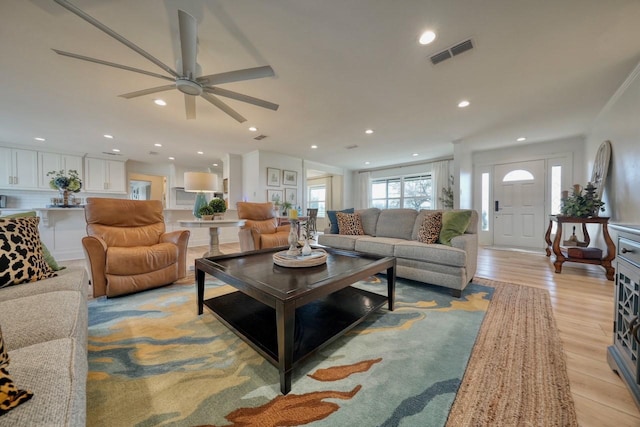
<point>95,250</point>
<point>469,243</point>
<point>180,238</point>
<point>283,228</point>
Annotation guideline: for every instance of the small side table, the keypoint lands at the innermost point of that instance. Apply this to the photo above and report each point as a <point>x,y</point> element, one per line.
<point>561,258</point>
<point>214,231</point>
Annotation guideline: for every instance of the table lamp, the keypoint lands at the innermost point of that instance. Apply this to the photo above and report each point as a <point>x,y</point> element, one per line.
<point>200,182</point>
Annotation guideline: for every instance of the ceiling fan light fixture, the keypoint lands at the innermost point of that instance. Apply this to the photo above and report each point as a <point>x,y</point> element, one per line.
<point>188,87</point>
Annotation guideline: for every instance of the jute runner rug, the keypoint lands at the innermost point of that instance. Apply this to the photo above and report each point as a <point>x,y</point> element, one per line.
<point>517,373</point>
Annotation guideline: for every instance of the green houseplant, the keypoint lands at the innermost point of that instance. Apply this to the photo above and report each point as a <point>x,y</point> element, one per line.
<point>206,212</point>
<point>218,206</point>
<point>582,205</point>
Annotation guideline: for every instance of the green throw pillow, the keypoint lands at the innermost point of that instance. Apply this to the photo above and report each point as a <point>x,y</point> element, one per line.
<point>45,251</point>
<point>454,223</point>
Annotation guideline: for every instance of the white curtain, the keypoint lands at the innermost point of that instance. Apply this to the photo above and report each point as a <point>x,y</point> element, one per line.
<point>364,190</point>
<point>439,180</point>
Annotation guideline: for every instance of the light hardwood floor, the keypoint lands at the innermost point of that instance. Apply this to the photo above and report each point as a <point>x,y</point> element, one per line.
<point>582,300</point>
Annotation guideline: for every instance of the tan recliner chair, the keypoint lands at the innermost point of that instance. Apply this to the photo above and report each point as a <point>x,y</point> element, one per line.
<point>261,228</point>
<point>127,247</point>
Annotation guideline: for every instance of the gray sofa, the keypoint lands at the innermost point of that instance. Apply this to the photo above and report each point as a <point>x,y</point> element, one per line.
<point>44,327</point>
<point>394,232</point>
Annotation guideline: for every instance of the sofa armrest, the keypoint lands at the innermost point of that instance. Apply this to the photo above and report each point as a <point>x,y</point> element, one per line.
<point>469,243</point>
<point>180,238</point>
<point>95,250</point>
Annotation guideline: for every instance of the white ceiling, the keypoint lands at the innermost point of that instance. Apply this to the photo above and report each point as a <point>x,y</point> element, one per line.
<point>542,69</point>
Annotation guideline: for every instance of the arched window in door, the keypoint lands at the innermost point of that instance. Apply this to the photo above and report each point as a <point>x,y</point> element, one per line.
<point>518,175</point>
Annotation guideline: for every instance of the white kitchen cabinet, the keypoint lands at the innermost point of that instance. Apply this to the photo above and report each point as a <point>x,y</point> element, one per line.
<point>18,168</point>
<point>104,176</point>
<point>48,162</point>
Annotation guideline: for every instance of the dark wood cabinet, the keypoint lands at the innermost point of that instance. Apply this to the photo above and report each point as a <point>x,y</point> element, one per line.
<point>624,355</point>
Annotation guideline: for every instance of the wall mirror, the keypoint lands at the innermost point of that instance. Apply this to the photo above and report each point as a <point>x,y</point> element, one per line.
<point>601,167</point>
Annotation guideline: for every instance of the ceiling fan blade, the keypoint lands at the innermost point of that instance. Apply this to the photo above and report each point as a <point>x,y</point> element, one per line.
<point>112,64</point>
<point>224,107</point>
<point>147,91</point>
<point>190,106</point>
<point>91,20</point>
<point>241,97</point>
<point>235,76</point>
<point>188,43</point>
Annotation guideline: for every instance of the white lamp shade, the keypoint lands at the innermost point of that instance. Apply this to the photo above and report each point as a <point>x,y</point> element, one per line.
<point>200,182</point>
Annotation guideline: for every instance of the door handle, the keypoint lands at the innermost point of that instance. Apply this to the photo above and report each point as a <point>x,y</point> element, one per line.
<point>496,206</point>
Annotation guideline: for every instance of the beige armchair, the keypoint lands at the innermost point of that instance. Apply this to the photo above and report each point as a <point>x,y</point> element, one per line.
<point>261,229</point>
<point>127,248</point>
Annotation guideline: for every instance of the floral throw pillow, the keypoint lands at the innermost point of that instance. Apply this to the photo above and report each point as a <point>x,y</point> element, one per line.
<point>10,395</point>
<point>430,229</point>
<point>21,258</point>
<point>349,224</point>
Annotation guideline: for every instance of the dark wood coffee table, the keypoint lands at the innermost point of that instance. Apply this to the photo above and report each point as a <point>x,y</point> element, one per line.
<point>287,314</point>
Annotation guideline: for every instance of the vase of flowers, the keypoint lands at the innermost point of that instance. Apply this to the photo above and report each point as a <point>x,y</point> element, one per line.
<point>65,183</point>
<point>581,204</point>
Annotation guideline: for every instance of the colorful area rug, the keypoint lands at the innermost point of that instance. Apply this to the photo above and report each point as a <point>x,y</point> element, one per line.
<point>153,361</point>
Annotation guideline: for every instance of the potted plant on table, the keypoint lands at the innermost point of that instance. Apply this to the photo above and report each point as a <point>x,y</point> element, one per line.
<point>285,207</point>
<point>218,206</point>
<point>582,205</point>
<point>206,213</point>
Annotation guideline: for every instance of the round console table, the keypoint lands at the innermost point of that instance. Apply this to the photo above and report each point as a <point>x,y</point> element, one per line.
<point>562,257</point>
<point>214,231</point>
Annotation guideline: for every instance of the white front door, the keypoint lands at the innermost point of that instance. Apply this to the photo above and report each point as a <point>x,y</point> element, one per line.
<point>518,190</point>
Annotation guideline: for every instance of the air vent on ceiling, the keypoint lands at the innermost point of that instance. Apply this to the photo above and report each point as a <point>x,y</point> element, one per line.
<point>260,137</point>
<point>153,153</point>
<point>351,147</point>
<point>111,153</point>
<point>451,52</point>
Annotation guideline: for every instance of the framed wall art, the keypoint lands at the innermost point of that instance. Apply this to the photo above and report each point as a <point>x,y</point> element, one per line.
<point>291,196</point>
<point>275,196</point>
<point>290,177</point>
<point>273,177</point>
<point>225,185</point>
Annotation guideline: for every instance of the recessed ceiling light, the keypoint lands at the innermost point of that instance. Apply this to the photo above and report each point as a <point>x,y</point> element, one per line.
<point>522,138</point>
<point>366,163</point>
<point>253,129</point>
<point>115,150</point>
<point>157,144</point>
<point>172,158</point>
<point>108,136</point>
<point>37,138</point>
<point>214,164</point>
<point>314,146</point>
<point>427,37</point>
<point>368,131</point>
<point>160,102</point>
<point>415,154</point>
<point>200,152</point>
<point>463,104</point>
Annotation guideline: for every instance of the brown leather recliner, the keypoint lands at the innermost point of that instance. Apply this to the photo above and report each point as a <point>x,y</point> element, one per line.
<point>261,228</point>
<point>127,247</point>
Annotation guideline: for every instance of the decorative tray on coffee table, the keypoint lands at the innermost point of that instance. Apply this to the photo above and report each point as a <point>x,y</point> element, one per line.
<point>283,259</point>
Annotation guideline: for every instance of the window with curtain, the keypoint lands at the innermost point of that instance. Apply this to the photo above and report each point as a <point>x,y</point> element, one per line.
<point>317,198</point>
<point>411,191</point>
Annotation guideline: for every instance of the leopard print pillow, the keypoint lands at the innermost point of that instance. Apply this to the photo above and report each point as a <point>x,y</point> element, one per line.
<point>349,224</point>
<point>430,229</point>
<point>10,396</point>
<point>21,258</point>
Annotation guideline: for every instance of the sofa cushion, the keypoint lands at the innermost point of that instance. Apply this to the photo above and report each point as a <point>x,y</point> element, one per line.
<point>369,220</point>
<point>349,224</point>
<point>70,279</point>
<point>429,231</point>
<point>339,241</point>
<point>382,246</point>
<point>437,253</point>
<point>56,372</point>
<point>10,395</point>
<point>333,219</point>
<point>454,223</point>
<point>396,223</point>
<point>21,258</point>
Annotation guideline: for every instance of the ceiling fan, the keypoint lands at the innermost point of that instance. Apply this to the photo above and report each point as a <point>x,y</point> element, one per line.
<point>186,78</point>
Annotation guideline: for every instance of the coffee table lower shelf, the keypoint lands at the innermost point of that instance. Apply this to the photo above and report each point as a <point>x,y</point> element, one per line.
<point>317,323</point>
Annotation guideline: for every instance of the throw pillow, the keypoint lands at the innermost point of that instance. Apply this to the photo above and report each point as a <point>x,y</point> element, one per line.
<point>21,257</point>
<point>45,251</point>
<point>349,224</point>
<point>333,219</point>
<point>430,229</point>
<point>454,223</point>
<point>10,395</point>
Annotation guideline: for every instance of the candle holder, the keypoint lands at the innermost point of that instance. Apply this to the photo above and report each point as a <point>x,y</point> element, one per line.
<point>293,238</point>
